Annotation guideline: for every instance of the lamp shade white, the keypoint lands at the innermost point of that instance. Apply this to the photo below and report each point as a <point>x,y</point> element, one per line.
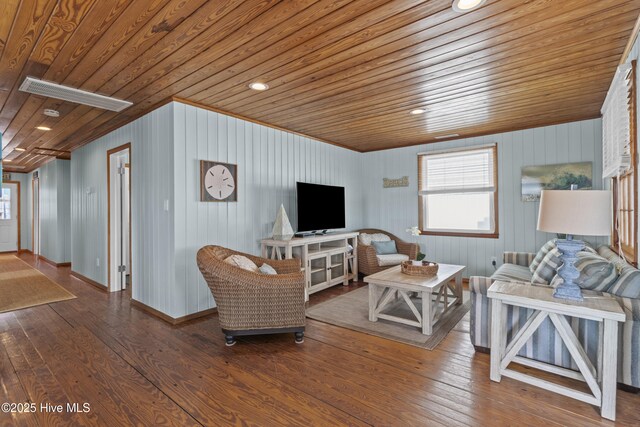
<point>577,212</point>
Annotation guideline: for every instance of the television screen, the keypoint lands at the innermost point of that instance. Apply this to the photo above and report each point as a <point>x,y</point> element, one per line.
<point>320,207</point>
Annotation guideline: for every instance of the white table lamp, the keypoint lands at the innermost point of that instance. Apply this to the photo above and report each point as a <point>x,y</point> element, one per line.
<point>574,212</point>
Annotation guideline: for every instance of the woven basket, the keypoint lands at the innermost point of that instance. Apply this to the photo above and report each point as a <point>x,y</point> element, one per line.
<point>427,268</point>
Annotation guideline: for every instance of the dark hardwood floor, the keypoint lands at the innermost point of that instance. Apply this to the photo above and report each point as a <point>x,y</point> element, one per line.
<point>133,369</point>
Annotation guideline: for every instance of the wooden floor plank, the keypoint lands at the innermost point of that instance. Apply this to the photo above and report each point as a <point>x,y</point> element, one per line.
<point>11,389</point>
<point>466,373</point>
<point>137,369</point>
<point>249,398</point>
<point>151,347</point>
<point>40,383</point>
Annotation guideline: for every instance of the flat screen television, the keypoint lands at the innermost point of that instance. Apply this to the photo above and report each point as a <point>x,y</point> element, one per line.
<point>320,207</point>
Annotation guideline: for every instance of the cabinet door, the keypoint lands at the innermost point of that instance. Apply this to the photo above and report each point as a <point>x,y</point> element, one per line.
<point>337,267</point>
<point>318,272</point>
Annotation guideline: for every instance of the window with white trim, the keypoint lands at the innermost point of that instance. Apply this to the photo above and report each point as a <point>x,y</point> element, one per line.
<point>458,192</point>
<point>619,147</point>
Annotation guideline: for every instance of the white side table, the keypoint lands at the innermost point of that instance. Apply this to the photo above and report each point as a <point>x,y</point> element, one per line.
<point>601,308</point>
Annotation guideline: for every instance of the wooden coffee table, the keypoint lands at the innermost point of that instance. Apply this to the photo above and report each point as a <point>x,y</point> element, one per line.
<point>388,286</point>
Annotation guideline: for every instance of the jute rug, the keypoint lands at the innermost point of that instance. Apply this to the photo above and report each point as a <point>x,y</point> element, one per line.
<point>351,311</point>
<point>23,286</point>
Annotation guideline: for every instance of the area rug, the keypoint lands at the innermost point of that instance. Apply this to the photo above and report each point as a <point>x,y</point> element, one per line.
<point>351,311</point>
<point>23,286</point>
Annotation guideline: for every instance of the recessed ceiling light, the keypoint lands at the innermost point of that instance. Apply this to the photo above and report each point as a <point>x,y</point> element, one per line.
<point>451,135</point>
<point>258,86</point>
<point>463,6</point>
<point>418,111</point>
<point>43,128</point>
<point>19,149</point>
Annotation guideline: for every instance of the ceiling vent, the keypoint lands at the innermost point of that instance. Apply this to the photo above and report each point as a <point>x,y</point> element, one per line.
<point>52,90</point>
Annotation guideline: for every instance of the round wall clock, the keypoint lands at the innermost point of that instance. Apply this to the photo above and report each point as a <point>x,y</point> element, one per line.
<point>218,182</point>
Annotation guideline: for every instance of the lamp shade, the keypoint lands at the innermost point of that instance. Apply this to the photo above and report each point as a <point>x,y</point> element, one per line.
<point>577,212</point>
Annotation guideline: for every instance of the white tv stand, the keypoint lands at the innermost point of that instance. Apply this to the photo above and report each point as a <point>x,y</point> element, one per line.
<point>326,259</point>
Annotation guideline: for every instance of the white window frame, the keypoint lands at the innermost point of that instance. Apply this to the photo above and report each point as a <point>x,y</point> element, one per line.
<point>493,232</point>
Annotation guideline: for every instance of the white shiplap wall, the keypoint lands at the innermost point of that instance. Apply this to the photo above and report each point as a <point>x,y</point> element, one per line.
<point>151,139</point>
<point>55,210</point>
<point>168,143</point>
<point>396,209</point>
<point>269,163</point>
<point>55,219</point>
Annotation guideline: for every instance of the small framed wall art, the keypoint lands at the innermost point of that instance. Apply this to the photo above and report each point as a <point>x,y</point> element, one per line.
<point>218,182</point>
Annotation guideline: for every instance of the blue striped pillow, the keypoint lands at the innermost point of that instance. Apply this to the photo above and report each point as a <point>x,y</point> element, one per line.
<point>546,269</point>
<point>596,273</point>
<point>544,250</point>
<point>628,284</point>
<point>548,247</point>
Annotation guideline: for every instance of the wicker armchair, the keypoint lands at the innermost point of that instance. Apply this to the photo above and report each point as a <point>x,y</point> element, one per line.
<point>367,259</point>
<point>254,303</point>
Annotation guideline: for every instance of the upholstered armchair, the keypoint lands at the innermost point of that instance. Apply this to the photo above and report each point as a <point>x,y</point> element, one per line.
<point>369,262</point>
<point>254,303</point>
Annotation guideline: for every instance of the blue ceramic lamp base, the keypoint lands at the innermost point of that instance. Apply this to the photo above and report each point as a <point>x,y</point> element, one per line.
<point>568,289</point>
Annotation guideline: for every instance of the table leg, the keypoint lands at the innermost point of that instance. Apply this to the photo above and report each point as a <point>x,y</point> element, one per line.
<point>609,367</point>
<point>445,289</point>
<point>373,302</point>
<point>600,347</point>
<point>497,329</point>
<point>459,288</point>
<point>427,317</point>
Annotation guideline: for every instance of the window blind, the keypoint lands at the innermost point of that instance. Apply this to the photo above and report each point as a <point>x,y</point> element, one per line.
<point>616,124</point>
<point>468,171</point>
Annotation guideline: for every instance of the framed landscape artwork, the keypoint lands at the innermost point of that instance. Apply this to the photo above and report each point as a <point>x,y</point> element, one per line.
<point>555,177</point>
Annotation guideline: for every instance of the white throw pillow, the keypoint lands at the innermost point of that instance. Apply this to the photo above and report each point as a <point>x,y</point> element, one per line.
<point>391,259</point>
<point>267,269</point>
<point>380,237</point>
<point>366,239</point>
<point>242,262</point>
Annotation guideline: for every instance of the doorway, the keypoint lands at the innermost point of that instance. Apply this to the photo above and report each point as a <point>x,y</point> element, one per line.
<point>119,197</point>
<point>35,218</point>
<point>10,216</point>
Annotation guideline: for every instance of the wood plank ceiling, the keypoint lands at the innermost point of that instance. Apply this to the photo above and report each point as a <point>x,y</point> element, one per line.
<point>343,71</point>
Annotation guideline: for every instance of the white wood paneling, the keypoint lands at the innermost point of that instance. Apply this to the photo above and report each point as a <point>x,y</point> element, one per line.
<point>396,209</point>
<point>55,219</point>
<point>269,163</point>
<point>63,206</point>
<point>152,227</point>
<point>168,143</point>
<point>56,206</point>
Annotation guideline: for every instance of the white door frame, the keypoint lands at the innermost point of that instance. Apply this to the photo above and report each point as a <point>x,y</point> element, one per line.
<point>117,280</point>
<point>35,216</point>
<point>17,184</point>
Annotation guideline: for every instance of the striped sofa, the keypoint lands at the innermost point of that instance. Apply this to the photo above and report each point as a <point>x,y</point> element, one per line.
<point>545,345</point>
